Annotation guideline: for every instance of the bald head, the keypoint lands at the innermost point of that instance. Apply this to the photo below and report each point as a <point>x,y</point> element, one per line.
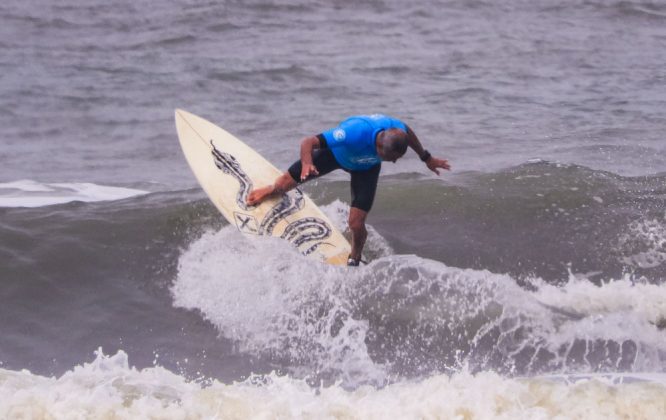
<point>392,144</point>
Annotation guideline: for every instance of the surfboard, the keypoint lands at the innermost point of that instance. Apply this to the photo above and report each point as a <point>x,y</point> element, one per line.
<point>228,169</point>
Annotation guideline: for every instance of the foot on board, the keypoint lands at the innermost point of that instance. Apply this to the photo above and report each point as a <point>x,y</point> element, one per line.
<point>259,195</point>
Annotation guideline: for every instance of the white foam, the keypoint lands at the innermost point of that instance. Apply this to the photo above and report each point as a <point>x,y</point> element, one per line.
<point>626,297</point>
<point>263,294</point>
<point>266,297</point>
<point>269,298</point>
<point>644,243</point>
<point>27,193</point>
<point>109,388</point>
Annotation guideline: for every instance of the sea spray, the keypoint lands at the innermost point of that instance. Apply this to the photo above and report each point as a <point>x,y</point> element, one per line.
<point>403,316</point>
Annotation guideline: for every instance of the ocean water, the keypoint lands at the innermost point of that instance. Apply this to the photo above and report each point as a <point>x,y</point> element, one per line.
<point>528,282</point>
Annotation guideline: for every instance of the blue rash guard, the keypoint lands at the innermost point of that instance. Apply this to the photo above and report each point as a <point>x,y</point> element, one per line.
<point>353,141</point>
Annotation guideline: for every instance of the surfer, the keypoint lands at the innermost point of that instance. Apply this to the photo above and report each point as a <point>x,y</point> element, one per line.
<point>357,146</point>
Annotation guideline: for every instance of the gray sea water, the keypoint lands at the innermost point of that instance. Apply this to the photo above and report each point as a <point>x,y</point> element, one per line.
<point>543,252</point>
<point>90,87</point>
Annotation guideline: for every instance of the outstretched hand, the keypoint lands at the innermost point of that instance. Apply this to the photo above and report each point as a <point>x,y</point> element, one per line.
<point>308,170</point>
<point>433,163</point>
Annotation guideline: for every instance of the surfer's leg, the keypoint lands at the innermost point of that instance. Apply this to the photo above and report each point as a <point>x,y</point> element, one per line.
<point>358,230</point>
<point>324,161</point>
<point>363,187</point>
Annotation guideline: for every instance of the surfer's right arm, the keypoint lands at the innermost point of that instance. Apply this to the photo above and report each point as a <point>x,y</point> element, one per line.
<point>307,146</point>
<point>431,162</point>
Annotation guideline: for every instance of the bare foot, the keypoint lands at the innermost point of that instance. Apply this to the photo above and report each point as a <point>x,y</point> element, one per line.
<point>258,196</point>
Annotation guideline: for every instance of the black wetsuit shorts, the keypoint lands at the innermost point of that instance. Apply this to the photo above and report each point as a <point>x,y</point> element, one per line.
<point>363,183</point>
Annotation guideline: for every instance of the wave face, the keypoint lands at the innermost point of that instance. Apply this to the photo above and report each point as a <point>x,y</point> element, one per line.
<point>535,270</point>
<point>539,219</point>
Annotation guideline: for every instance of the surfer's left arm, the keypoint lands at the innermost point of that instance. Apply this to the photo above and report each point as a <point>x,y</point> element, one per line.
<point>431,162</point>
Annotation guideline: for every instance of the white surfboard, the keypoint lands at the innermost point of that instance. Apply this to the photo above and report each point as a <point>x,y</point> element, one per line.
<point>228,170</point>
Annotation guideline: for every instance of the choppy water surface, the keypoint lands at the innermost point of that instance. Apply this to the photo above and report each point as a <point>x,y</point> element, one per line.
<point>530,277</point>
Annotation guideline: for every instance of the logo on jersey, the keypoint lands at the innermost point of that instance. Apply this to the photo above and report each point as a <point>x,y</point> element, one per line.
<point>339,134</point>
<point>366,160</point>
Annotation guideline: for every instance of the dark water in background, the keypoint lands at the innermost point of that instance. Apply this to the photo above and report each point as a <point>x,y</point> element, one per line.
<point>551,113</point>
<point>91,87</point>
